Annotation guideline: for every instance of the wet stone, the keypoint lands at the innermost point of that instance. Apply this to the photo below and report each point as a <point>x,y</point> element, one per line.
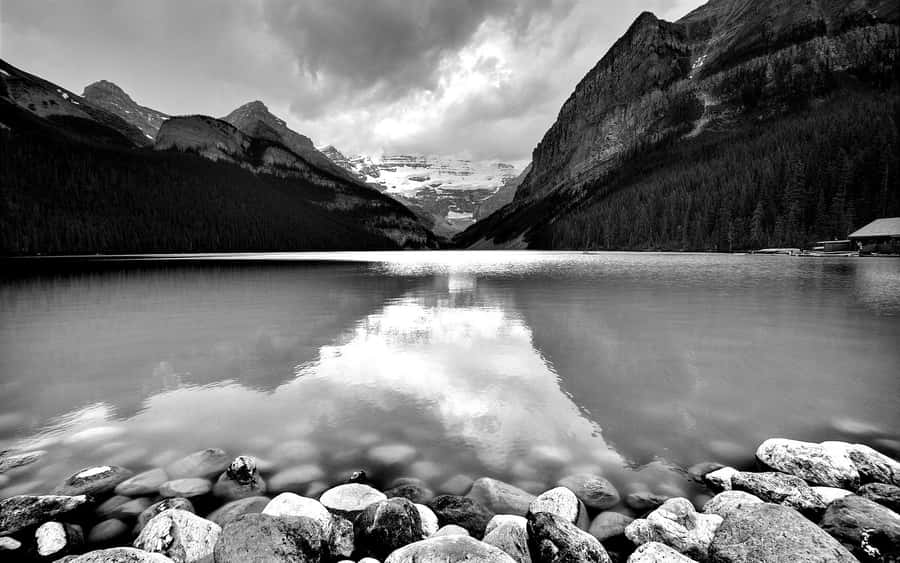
<point>185,488</point>
<point>146,483</point>
<point>295,479</point>
<point>57,539</point>
<point>429,520</point>
<point>500,497</point>
<point>240,480</point>
<point>350,499</point>
<point>226,513</point>
<point>411,491</point>
<point>94,480</point>
<point>108,532</point>
<point>180,535</point>
<point>19,512</point>
<point>594,491</point>
<point>609,525</point>
<point>208,463</point>
<point>644,501</point>
<point>162,506</point>
<point>462,511</point>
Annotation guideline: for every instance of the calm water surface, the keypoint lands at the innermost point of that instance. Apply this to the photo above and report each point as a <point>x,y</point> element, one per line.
<point>517,365</point>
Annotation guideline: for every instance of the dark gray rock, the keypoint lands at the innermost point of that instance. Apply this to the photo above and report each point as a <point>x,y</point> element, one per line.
<point>594,491</point>
<point>385,526</point>
<point>206,464</point>
<point>510,533</point>
<point>644,501</point>
<point>237,508</point>
<point>260,538</point>
<point>341,542</point>
<point>883,494</point>
<point>108,532</point>
<point>162,506</point>
<point>19,512</point>
<point>412,492</point>
<point>146,483</point>
<point>180,535</point>
<point>779,488</point>
<point>609,525</point>
<point>120,555</point>
<point>773,533</point>
<point>240,480</point>
<point>462,511</point>
<point>448,549</point>
<point>869,530</point>
<point>552,539</point>
<point>500,497</point>
<point>93,481</point>
<point>57,539</point>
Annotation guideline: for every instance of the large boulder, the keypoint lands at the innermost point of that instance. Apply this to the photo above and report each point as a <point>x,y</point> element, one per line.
<point>563,503</point>
<point>146,483</point>
<point>509,533</point>
<point>780,489</point>
<point>289,504</point>
<point>762,533</point>
<point>609,525</point>
<point>350,499</point>
<point>120,555</point>
<point>594,491</point>
<point>873,466</point>
<point>260,538</point>
<point>500,497</point>
<point>449,549</point>
<point>677,525</point>
<point>385,526</point>
<point>819,464</point>
<point>727,502</point>
<point>54,540</point>
<point>237,508</point>
<point>19,512</point>
<point>93,481</point>
<point>240,480</point>
<point>462,511</point>
<point>655,552</point>
<point>180,535</point>
<point>869,530</point>
<point>883,494</point>
<point>159,507</point>
<point>552,539</point>
<point>206,464</point>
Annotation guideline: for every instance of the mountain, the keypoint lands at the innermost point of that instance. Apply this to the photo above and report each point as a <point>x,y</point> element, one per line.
<point>747,123</point>
<point>76,178</point>
<point>446,191</point>
<point>502,197</point>
<point>113,99</point>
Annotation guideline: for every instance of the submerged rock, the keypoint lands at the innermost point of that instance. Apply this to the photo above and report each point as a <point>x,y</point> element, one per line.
<point>449,549</point>
<point>350,499</point>
<point>93,480</point>
<point>780,489</point>
<point>563,503</point>
<point>185,488</point>
<point>180,535</point>
<point>56,539</point>
<point>699,471</point>
<point>296,479</point>
<point>205,464</point>
<point>146,483</point>
<point>594,491</point>
<point>8,462</point>
<point>108,532</point>
<point>237,508</point>
<point>870,530</point>
<point>462,511</point>
<point>552,539</point>
<point>413,492</point>
<point>644,501</point>
<point>392,454</point>
<point>289,504</point>
<point>609,525</point>
<point>771,532</point>
<point>500,497</point>
<point>457,485</point>
<point>677,525</point>
<point>819,464</point>
<point>883,494</point>
<point>19,512</point>
<point>385,526</point>
<point>264,538</point>
<point>655,552</point>
<point>120,555</point>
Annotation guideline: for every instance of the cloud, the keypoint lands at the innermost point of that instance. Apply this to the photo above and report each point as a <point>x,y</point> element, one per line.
<point>479,77</point>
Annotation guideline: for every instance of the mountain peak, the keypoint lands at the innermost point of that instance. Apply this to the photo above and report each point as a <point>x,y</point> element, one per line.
<point>256,106</point>
<point>105,88</point>
<point>114,99</point>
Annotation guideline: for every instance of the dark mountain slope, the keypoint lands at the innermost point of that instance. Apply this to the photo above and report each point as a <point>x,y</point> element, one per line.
<point>674,85</point>
<point>113,99</point>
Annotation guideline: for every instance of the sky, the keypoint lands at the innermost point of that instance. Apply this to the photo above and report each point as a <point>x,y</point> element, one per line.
<point>483,79</point>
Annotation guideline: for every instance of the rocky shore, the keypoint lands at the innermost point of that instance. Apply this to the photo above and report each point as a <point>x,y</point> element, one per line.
<point>830,501</point>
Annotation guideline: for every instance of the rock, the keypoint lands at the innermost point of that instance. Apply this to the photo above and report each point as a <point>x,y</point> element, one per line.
<point>185,488</point>
<point>240,480</point>
<point>204,464</point>
<point>873,466</point>
<point>289,504</point>
<point>552,539</point>
<point>500,497</point>
<point>699,471</point>
<point>386,526</point>
<point>261,538</point>
<point>429,520</point>
<point>462,511</point>
<point>392,454</point>
<point>449,549</point>
<point>773,533</point>
<point>350,499</point>
<point>369,560</point>
<point>93,481</point>
<point>120,555</point>
<point>818,464</point>
<point>830,494</point>
<point>295,479</point>
<point>411,492</point>
<point>780,489</point>
<point>883,494</point>
<point>871,531</point>
<point>677,525</point>
<point>132,508</point>
<point>315,489</point>
<point>146,483</point>
<point>8,462</point>
<point>406,480</point>
<point>8,544</point>
<point>720,479</point>
<point>108,532</point>
<point>56,539</point>
<point>180,535</point>
<point>549,457</point>
<point>644,500</point>
<point>237,508</point>
<point>727,502</point>
<point>110,505</point>
<point>162,506</point>
<point>451,530</point>
<point>341,542</point>
<point>655,552</point>
<point>19,512</point>
<point>562,502</point>
<point>457,485</point>
<point>509,533</point>
<point>609,525</point>
<point>595,492</point>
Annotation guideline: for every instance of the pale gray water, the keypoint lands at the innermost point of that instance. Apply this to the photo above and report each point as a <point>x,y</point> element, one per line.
<point>517,365</point>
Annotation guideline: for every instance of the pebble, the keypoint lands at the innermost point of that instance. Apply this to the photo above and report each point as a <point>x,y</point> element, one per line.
<point>412,491</point>
<point>428,519</point>
<point>185,488</point>
<point>510,535</point>
<point>56,539</point>
<point>386,526</point>
<point>608,525</point>
<point>462,511</point>
<point>563,503</point>
<point>457,485</point>
<point>162,506</point>
<point>644,501</point>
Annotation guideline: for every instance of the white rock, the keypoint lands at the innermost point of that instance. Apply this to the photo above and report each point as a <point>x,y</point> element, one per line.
<point>451,530</point>
<point>563,503</point>
<point>655,552</point>
<point>181,535</point>
<point>721,478</point>
<point>289,504</point>
<point>429,520</point>
<point>54,537</point>
<point>505,520</point>
<point>351,498</point>
<point>818,464</point>
<point>830,494</point>
<point>677,525</point>
<point>873,466</point>
<point>727,502</point>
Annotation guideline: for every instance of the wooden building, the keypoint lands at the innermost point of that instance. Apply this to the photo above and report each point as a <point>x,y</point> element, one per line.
<point>879,236</point>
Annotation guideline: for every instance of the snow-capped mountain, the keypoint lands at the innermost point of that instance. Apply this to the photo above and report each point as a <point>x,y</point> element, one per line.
<point>448,189</point>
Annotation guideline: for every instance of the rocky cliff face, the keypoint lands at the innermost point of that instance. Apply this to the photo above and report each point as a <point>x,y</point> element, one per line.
<point>110,97</point>
<point>663,82</point>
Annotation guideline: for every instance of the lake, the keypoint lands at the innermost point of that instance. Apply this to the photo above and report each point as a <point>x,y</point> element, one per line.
<point>519,365</point>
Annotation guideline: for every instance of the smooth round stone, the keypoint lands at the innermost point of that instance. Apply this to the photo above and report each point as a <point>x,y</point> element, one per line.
<point>386,526</point>
<point>462,511</point>
<point>413,492</point>
<point>429,520</point>
<point>451,530</point>
<point>369,560</point>
<point>558,540</point>
<point>392,454</point>
<point>94,480</point>
<point>594,491</point>
<point>351,498</point>
<point>181,535</point>
<point>228,489</point>
<point>110,505</point>
<point>609,525</point>
<point>185,488</point>
<point>55,539</point>
<point>108,532</point>
<point>9,544</point>
<point>120,555</point>
<point>233,510</point>
<point>456,485</point>
<point>449,549</point>
<point>883,494</point>
<point>146,483</point>
<point>260,537</point>
<point>206,464</point>
<point>132,508</point>
<point>295,479</point>
<point>563,503</point>
<point>501,497</point>
<point>644,501</point>
<point>289,504</point>
<point>830,494</point>
<point>162,506</point>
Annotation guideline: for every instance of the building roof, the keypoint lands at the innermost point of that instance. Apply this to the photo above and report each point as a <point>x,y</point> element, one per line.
<point>888,227</point>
